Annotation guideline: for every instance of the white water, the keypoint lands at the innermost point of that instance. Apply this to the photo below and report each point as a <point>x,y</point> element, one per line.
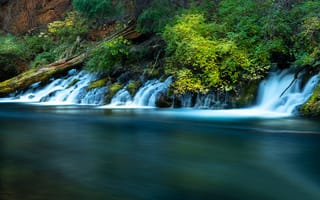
<point>274,94</point>
<point>147,95</point>
<point>68,90</point>
<point>72,90</point>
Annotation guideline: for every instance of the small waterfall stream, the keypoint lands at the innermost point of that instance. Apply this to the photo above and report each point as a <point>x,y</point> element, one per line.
<point>274,94</point>
<point>147,95</point>
<point>71,89</point>
<point>282,93</point>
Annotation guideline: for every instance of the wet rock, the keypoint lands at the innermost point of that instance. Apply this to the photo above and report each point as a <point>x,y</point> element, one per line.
<point>164,101</point>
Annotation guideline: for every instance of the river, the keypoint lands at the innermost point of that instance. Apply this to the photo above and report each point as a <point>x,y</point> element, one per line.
<point>85,152</point>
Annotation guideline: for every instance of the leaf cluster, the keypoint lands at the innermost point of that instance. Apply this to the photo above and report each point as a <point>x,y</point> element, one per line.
<point>240,41</point>
<point>108,54</point>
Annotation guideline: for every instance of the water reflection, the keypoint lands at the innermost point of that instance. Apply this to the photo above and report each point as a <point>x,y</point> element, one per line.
<point>86,153</point>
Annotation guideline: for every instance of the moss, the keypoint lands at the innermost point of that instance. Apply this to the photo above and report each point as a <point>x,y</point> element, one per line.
<point>97,84</point>
<point>73,82</point>
<point>133,87</point>
<point>312,106</point>
<point>113,89</point>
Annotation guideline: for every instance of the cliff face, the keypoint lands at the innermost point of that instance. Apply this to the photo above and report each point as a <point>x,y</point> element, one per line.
<point>21,16</point>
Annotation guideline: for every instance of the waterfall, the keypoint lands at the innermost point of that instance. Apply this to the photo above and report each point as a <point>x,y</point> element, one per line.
<point>147,95</point>
<point>278,94</point>
<point>70,89</point>
<point>121,98</point>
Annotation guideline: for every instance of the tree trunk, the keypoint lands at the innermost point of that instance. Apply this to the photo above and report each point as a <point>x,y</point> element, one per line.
<point>26,79</point>
<point>43,74</point>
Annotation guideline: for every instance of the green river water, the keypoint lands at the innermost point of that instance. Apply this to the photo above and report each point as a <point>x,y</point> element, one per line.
<point>81,152</point>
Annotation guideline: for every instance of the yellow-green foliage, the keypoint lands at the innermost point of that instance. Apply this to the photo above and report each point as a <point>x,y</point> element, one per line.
<point>199,61</point>
<point>73,82</point>
<point>312,106</point>
<point>70,28</point>
<point>112,90</point>
<point>133,87</point>
<point>97,84</point>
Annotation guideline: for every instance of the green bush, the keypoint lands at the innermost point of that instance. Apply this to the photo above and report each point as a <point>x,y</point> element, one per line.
<point>38,43</point>
<point>97,8</point>
<point>108,54</point>
<point>43,59</point>
<point>73,26</point>
<point>200,61</point>
<point>11,45</point>
<point>307,39</point>
<point>12,49</point>
<point>156,16</point>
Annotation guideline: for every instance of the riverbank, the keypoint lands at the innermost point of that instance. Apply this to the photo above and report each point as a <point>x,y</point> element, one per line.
<point>211,55</point>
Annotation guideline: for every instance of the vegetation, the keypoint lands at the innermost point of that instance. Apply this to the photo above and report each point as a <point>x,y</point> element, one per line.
<point>98,8</point>
<point>108,54</point>
<point>112,90</point>
<point>97,84</point>
<point>156,16</point>
<point>312,107</point>
<point>73,26</point>
<point>209,44</point>
<point>133,87</point>
<point>12,45</point>
<point>201,61</point>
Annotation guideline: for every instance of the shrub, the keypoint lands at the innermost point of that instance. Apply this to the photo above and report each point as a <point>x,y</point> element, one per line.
<point>43,58</point>
<point>108,54</point>
<point>307,39</point>
<point>69,29</point>
<point>97,8</point>
<point>38,43</point>
<point>200,61</point>
<point>11,45</point>
<point>156,16</point>
<point>11,50</point>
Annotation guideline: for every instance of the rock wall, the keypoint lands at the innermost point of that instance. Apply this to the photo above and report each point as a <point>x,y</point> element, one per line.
<point>21,16</point>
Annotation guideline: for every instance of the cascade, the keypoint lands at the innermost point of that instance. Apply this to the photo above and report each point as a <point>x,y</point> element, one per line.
<point>66,90</point>
<point>147,95</point>
<point>276,95</point>
<point>279,93</point>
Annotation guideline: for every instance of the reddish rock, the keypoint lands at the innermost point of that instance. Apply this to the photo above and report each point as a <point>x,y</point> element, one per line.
<point>21,16</point>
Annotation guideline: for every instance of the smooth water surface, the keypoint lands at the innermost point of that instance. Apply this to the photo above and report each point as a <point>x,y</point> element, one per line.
<point>81,152</point>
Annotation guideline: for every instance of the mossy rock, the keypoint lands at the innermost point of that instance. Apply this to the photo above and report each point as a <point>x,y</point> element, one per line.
<point>112,90</point>
<point>312,107</point>
<point>73,82</point>
<point>164,101</point>
<point>133,87</point>
<point>97,84</point>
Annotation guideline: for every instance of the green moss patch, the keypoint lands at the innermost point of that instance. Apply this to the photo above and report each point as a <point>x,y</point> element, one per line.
<point>113,89</point>
<point>97,84</point>
<point>133,87</point>
<point>312,106</point>
<point>73,82</point>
